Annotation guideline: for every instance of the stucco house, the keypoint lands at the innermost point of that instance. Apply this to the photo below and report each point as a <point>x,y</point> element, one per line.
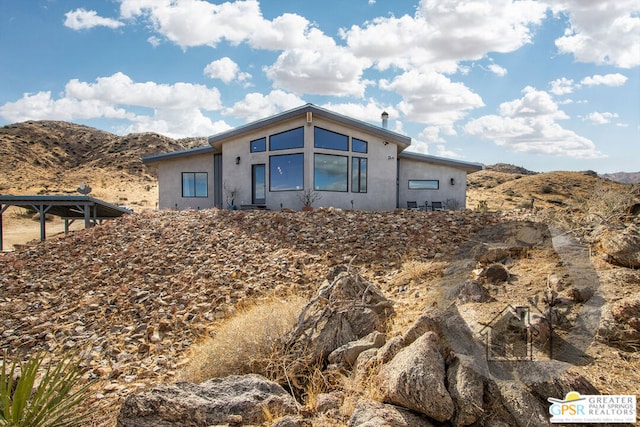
<point>269,163</point>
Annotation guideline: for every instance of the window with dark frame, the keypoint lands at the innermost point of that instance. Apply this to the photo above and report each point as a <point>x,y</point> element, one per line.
<point>195,184</point>
<point>330,172</point>
<point>424,184</point>
<point>323,138</point>
<point>258,145</point>
<point>293,138</point>
<point>358,175</point>
<point>286,172</point>
<point>358,145</point>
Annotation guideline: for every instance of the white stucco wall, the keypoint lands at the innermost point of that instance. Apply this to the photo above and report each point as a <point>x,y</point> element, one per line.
<point>454,195</point>
<point>381,178</point>
<point>170,182</point>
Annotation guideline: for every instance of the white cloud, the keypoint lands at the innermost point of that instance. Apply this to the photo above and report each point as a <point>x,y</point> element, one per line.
<point>175,110</point>
<point>119,89</point>
<point>441,33</point>
<point>601,118</point>
<point>562,86</point>
<point>257,106</point>
<point>432,98</point>
<point>226,70</point>
<point>534,103</point>
<point>498,70</point>
<point>81,19</point>
<point>430,142</point>
<point>321,67</point>
<point>607,80</point>
<point>41,106</point>
<point>154,41</point>
<point>189,23</point>
<point>602,32</point>
<point>528,125</point>
<point>369,112</point>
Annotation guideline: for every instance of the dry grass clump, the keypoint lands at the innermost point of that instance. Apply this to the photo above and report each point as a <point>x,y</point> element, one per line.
<point>246,343</point>
<point>607,204</point>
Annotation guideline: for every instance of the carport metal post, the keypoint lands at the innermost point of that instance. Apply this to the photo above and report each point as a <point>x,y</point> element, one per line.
<point>2,209</point>
<point>87,215</point>
<point>42,211</point>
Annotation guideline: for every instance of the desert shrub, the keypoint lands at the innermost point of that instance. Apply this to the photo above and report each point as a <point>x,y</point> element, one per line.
<point>546,189</point>
<point>605,205</point>
<point>557,202</point>
<point>482,206</point>
<point>32,397</point>
<point>248,342</point>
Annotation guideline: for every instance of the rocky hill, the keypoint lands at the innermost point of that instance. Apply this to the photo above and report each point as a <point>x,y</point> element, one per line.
<point>623,177</point>
<point>53,157</point>
<point>141,299</point>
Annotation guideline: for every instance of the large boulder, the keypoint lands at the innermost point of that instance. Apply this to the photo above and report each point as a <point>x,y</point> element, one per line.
<point>526,409</point>
<point>346,309</point>
<point>622,246</point>
<point>415,379</point>
<point>466,388</point>
<point>234,399</point>
<point>369,413</point>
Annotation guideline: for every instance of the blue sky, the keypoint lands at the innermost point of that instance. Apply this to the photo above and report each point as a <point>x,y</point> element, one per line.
<point>551,85</point>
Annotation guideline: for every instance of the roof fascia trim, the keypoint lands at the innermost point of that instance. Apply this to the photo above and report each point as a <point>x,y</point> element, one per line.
<point>155,158</point>
<point>458,164</point>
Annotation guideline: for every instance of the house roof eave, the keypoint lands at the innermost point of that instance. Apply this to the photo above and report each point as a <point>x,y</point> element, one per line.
<point>402,141</point>
<point>156,158</point>
<point>468,167</point>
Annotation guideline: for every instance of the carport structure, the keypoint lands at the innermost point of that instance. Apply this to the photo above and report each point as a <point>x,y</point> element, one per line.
<point>68,208</point>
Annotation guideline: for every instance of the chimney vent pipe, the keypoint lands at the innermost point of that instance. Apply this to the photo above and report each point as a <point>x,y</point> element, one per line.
<point>385,119</point>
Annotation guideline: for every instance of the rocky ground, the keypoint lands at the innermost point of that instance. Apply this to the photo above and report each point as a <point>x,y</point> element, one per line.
<point>133,295</point>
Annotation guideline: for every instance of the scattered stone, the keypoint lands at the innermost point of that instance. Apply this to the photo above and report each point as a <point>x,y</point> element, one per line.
<point>620,323</point>
<point>473,291</point>
<point>291,421</point>
<point>326,402</point>
<point>622,246</point>
<point>347,354</point>
<point>494,274</point>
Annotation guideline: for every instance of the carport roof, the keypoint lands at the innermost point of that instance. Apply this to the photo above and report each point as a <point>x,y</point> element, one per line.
<point>67,206</point>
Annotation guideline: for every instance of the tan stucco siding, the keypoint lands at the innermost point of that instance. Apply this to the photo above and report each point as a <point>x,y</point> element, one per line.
<point>170,182</point>
<point>454,195</point>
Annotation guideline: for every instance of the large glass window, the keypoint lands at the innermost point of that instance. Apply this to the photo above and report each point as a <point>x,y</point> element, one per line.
<point>323,138</point>
<point>286,172</point>
<point>330,172</point>
<point>424,184</point>
<point>358,175</point>
<point>194,184</point>
<point>258,145</point>
<point>358,145</point>
<point>293,138</point>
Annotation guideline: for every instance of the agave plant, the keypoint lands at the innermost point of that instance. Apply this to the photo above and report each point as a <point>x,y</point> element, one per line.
<point>48,400</point>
